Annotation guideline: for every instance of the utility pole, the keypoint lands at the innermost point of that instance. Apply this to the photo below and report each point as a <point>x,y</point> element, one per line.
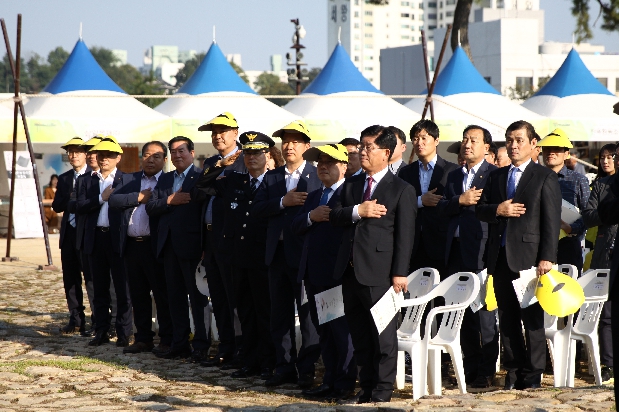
<point>297,74</point>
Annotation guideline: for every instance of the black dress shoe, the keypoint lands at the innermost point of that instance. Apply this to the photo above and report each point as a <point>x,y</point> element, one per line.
<point>359,398</point>
<point>245,372</point>
<point>161,348</point>
<point>112,332</point>
<point>305,380</point>
<point>216,360</point>
<point>509,387</point>
<point>281,378</point>
<point>69,329</point>
<point>481,382</point>
<point>318,391</point>
<point>138,347</point>
<point>199,355</point>
<point>532,386</point>
<point>266,373</point>
<point>232,364</point>
<point>88,332</point>
<point>175,353</point>
<point>339,394</point>
<point>122,342</point>
<point>380,399</point>
<point>99,339</point>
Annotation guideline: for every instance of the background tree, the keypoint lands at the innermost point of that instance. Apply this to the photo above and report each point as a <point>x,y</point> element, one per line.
<point>609,12</point>
<point>267,83</point>
<point>521,93</point>
<point>311,75</point>
<point>460,29</point>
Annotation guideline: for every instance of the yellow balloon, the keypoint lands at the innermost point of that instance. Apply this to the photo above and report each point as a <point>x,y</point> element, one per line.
<point>491,303</point>
<point>559,294</point>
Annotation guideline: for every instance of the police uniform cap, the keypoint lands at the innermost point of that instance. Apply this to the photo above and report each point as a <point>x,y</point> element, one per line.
<point>107,144</point>
<point>556,138</point>
<point>76,141</point>
<point>336,151</point>
<point>224,119</point>
<point>255,141</point>
<point>298,126</point>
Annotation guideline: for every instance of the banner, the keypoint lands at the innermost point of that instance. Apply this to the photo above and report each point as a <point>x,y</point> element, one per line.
<point>26,215</point>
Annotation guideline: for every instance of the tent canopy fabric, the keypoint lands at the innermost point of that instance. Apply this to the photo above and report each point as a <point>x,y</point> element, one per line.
<point>81,72</point>
<point>215,74</point>
<point>571,79</point>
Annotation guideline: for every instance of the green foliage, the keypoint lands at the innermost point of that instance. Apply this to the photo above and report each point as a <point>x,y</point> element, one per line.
<point>521,93</point>
<point>240,72</point>
<point>146,85</point>
<point>609,11</point>
<point>313,73</point>
<point>269,84</point>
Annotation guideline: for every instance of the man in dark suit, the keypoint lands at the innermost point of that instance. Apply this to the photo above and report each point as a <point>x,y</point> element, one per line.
<point>279,199</point>
<point>428,176</point>
<point>217,257</point>
<point>64,201</point>
<point>244,237</point>
<point>179,242</point>
<point>354,163</point>
<point>377,211</point>
<point>522,205</point>
<point>137,243</point>
<point>101,231</point>
<point>465,252</point>
<point>397,163</point>
<point>322,241</point>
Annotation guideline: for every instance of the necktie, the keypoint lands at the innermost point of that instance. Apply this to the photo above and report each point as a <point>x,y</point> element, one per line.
<point>368,190</point>
<point>325,196</point>
<point>254,185</point>
<point>72,215</point>
<point>511,192</point>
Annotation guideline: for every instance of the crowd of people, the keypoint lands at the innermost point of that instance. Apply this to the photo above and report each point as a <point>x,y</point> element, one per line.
<point>274,229</point>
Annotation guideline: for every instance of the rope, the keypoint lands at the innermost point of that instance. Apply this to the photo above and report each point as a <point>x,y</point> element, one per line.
<point>219,96</point>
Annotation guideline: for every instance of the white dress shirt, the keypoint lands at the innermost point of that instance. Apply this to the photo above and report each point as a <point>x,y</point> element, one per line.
<point>425,175</point>
<point>103,219</point>
<point>333,188</point>
<point>292,180</point>
<point>469,175</point>
<point>377,177</point>
<point>138,222</point>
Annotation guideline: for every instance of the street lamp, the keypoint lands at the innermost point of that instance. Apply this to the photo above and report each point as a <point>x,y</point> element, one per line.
<point>295,73</point>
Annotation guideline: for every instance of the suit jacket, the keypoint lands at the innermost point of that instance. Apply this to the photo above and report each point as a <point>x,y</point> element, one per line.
<point>89,206</point>
<point>242,235</point>
<point>533,236</point>
<point>62,201</point>
<point>473,232</point>
<point>380,247</point>
<point>321,242</point>
<point>125,199</point>
<point>266,205</point>
<point>604,243</point>
<point>181,223</point>
<point>434,235</point>
<point>608,212</point>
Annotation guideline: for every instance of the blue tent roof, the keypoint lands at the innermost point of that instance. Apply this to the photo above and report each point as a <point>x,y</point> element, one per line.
<point>215,74</point>
<point>572,78</point>
<point>81,72</point>
<point>460,76</point>
<point>340,75</point>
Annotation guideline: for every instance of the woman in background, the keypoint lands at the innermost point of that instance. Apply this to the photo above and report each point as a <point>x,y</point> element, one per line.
<point>51,217</point>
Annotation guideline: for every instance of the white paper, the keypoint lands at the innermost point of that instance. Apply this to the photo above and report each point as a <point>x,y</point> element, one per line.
<point>386,308</point>
<point>329,304</point>
<point>26,215</point>
<point>480,300</point>
<point>525,287</point>
<point>303,293</point>
<point>569,213</point>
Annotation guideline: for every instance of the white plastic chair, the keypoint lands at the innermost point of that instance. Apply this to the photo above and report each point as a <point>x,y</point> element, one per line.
<point>558,337</point>
<point>595,284</point>
<point>458,290</point>
<point>420,283</point>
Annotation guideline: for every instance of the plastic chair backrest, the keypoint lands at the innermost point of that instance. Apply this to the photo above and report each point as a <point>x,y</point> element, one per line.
<point>460,288</point>
<point>550,322</point>
<point>420,283</point>
<point>595,285</point>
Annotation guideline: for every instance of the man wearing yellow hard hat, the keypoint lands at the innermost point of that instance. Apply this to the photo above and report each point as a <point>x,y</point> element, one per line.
<point>574,190</point>
<point>102,226</point>
<point>316,269</point>
<point>64,202</point>
<point>91,156</point>
<point>279,199</point>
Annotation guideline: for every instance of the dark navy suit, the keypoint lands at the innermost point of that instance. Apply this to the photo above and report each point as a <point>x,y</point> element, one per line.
<point>320,248</point>
<point>144,270</point>
<point>479,335</point>
<point>179,243</point>
<point>283,258</point>
<point>104,257</point>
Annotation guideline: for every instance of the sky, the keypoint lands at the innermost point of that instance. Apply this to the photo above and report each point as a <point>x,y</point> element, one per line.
<point>255,29</point>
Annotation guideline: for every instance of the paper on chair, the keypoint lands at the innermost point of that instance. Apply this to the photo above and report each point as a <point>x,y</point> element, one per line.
<point>329,304</point>
<point>480,300</point>
<point>569,213</point>
<point>525,287</point>
<point>386,308</point>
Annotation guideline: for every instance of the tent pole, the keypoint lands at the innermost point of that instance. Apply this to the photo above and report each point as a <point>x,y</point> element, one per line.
<point>427,70</point>
<point>18,101</point>
<point>436,71</point>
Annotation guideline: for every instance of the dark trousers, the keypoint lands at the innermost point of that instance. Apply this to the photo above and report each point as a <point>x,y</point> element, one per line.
<point>180,276</point>
<point>219,278</point>
<point>146,274</point>
<point>570,252</point>
<point>104,260</point>
<point>284,291</point>
<point>479,334</point>
<point>335,345</point>
<point>524,363</point>
<point>251,288</point>
<point>90,289</point>
<point>72,277</point>
<point>605,335</point>
<point>376,354</point>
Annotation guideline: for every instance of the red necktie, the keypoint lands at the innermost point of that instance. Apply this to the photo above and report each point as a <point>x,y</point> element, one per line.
<point>368,190</point>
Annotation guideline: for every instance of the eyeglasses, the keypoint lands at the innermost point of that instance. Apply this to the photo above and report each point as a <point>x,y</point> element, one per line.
<point>155,156</point>
<point>367,148</point>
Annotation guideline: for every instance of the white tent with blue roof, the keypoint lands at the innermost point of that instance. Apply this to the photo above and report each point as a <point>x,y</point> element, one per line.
<point>574,100</point>
<point>463,97</point>
<point>71,110</point>
<point>340,102</point>
<point>214,88</point>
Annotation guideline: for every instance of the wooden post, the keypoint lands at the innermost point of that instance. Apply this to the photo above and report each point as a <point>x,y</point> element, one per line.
<point>427,69</point>
<point>436,70</point>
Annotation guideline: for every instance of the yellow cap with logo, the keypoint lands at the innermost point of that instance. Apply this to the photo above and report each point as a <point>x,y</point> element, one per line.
<point>336,151</point>
<point>107,144</point>
<point>298,126</point>
<point>76,141</point>
<point>556,138</point>
<point>224,119</point>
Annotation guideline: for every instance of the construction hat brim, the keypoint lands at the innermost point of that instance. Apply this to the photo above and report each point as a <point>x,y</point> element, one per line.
<point>76,141</point>
<point>556,138</point>
<point>107,146</point>
<point>294,127</point>
<point>221,120</point>
<point>313,153</point>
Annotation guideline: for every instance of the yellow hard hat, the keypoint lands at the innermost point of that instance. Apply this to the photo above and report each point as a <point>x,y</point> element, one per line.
<point>336,151</point>
<point>298,126</point>
<point>224,119</point>
<point>556,138</point>
<point>93,141</point>
<point>76,141</point>
<point>559,294</point>
<point>107,144</point>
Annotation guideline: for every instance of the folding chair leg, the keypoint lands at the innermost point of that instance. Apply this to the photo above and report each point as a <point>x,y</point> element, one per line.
<point>400,376</point>
<point>594,358</point>
<point>571,364</point>
<point>456,359</point>
<point>560,356</point>
<point>419,358</point>
<point>434,372</point>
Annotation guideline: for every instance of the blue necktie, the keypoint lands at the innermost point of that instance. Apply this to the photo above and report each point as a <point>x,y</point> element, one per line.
<point>511,192</point>
<point>325,196</point>
<point>72,215</point>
